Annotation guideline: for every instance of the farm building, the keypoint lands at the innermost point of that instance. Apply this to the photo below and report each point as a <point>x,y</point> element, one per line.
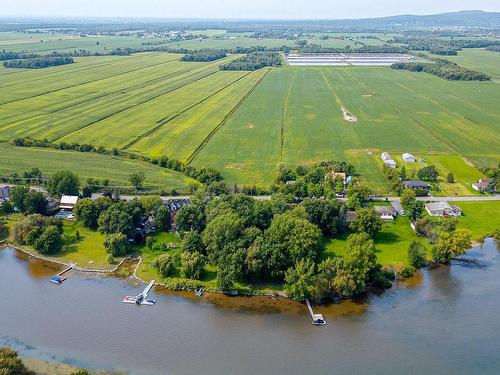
<point>442,209</point>
<point>5,193</point>
<point>386,212</point>
<point>415,184</point>
<point>408,158</point>
<point>67,202</point>
<point>387,159</point>
<point>481,185</point>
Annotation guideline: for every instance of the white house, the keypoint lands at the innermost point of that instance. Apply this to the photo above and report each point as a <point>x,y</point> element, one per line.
<point>408,158</point>
<point>442,209</point>
<point>481,185</point>
<point>67,202</point>
<point>386,212</point>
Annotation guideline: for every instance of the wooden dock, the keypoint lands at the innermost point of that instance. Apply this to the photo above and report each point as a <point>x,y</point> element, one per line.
<point>317,319</point>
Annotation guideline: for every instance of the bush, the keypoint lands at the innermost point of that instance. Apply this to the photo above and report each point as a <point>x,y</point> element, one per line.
<point>11,364</point>
<point>450,178</point>
<point>417,254</point>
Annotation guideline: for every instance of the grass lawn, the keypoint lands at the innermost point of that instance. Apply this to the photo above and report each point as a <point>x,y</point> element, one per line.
<point>88,252</point>
<point>479,217</point>
<point>391,244</point>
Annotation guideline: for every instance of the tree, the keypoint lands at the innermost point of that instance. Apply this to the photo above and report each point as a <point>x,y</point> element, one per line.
<point>163,218</point>
<point>166,264</point>
<point>192,265</point>
<point>137,179</point>
<point>226,276</point>
<point>451,245</point>
<point>11,364</point>
<point>50,241</point>
<point>367,221</point>
<point>428,173</point>
<point>300,280</point>
<point>450,178</point>
<point>18,196</point>
<point>87,211</point>
<point>116,244</point>
<point>415,210</point>
<point>417,254</point>
<point>63,183</point>
<point>328,215</point>
<point>193,243</point>
<point>149,242</point>
<point>151,203</point>
<point>407,197</point>
<point>190,217</point>
<point>220,232</point>
<point>117,219</point>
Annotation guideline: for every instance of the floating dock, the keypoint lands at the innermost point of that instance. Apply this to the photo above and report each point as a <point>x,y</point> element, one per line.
<point>59,278</point>
<point>141,299</point>
<point>317,319</point>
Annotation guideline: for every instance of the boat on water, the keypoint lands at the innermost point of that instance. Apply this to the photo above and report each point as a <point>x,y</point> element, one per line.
<point>57,279</point>
<point>198,293</point>
<point>318,320</point>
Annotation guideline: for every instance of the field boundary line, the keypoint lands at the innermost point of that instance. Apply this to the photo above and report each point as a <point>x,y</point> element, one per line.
<point>224,120</point>
<point>133,106</point>
<point>84,83</point>
<point>133,87</point>
<point>283,114</point>
<point>166,120</point>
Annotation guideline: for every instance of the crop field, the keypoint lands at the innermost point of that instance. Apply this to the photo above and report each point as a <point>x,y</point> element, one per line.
<point>479,59</point>
<point>296,116</point>
<point>86,165</point>
<point>245,123</point>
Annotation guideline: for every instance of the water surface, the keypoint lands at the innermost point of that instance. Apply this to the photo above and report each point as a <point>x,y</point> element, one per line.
<point>444,321</point>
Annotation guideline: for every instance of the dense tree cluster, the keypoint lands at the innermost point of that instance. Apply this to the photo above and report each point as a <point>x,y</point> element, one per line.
<point>28,201</point>
<point>204,55</point>
<point>253,61</point>
<point>442,46</point>
<point>11,364</point>
<point>63,183</point>
<point>44,234</point>
<point>448,70</point>
<point>5,55</point>
<point>38,63</point>
<point>494,48</point>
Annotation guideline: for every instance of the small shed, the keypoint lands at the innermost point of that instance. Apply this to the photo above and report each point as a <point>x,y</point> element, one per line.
<point>408,158</point>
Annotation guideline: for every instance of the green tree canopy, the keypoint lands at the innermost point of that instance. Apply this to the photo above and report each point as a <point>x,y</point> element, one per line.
<point>63,183</point>
<point>367,221</point>
<point>327,214</point>
<point>300,280</point>
<point>191,217</point>
<point>117,219</point>
<point>417,254</point>
<point>192,265</point>
<point>116,244</point>
<point>50,241</point>
<point>87,211</point>
<point>451,245</point>
<point>163,218</point>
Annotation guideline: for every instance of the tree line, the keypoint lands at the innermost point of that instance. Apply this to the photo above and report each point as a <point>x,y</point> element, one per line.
<point>448,70</point>
<point>204,55</point>
<point>38,63</point>
<point>253,61</point>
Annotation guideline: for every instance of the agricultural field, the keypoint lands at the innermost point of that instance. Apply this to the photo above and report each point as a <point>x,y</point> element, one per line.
<point>479,59</point>
<point>86,165</point>
<point>245,123</point>
<point>296,116</point>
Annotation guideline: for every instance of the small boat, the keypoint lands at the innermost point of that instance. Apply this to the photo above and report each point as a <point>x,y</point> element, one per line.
<point>319,320</point>
<point>57,279</point>
<point>198,293</point>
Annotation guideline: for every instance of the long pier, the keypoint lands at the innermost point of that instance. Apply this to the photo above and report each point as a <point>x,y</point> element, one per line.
<point>317,319</point>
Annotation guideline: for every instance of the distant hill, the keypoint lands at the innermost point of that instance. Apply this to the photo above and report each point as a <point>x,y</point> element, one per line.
<point>466,18</point>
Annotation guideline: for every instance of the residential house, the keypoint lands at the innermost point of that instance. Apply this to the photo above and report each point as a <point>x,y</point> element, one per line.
<point>442,209</point>
<point>67,202</point>
<point>481,185</point>
<point>408,158</point>
<point>386,212</point>
<point>388,161</point>
<point>5,193</point>
<point>415,184</point>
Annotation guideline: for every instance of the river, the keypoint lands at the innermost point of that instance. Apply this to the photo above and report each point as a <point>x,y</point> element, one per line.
<point>443,321</point>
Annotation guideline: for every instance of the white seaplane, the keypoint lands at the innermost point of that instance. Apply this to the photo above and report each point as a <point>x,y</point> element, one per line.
<point>141,299</point>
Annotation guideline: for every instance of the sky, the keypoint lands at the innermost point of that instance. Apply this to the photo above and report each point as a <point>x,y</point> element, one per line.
<point>230,9</point>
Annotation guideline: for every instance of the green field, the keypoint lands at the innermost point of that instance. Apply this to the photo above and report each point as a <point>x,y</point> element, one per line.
<point>117,170</point>
<point>245,123</point>
<point>295,116</point>
<point>479,59</point>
